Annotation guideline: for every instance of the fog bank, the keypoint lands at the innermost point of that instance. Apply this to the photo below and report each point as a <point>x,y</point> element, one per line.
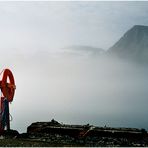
<point>78,90</point>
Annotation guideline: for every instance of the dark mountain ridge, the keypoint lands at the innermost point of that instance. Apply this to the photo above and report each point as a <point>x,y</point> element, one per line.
<point>133,44</point>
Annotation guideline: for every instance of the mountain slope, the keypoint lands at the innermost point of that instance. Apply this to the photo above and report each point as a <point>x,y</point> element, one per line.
<point>133,44</point>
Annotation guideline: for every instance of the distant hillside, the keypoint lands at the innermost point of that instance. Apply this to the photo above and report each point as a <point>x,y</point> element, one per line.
<point>133,44</point>
<point>83,50</point>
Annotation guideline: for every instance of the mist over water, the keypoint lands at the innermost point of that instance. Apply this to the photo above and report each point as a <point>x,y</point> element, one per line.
<point>78,90</point>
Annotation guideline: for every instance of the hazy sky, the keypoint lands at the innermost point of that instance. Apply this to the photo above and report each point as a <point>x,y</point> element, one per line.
<point>31,26</point>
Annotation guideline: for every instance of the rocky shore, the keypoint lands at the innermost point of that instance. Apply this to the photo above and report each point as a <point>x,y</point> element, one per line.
<point>53,133</point>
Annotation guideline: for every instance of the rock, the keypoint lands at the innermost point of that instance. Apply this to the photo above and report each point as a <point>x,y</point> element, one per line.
<point>55,133</point>
<point>54,122</point>
<point>10,133</point>
<point>23,135</point>
<point>42,126</point>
